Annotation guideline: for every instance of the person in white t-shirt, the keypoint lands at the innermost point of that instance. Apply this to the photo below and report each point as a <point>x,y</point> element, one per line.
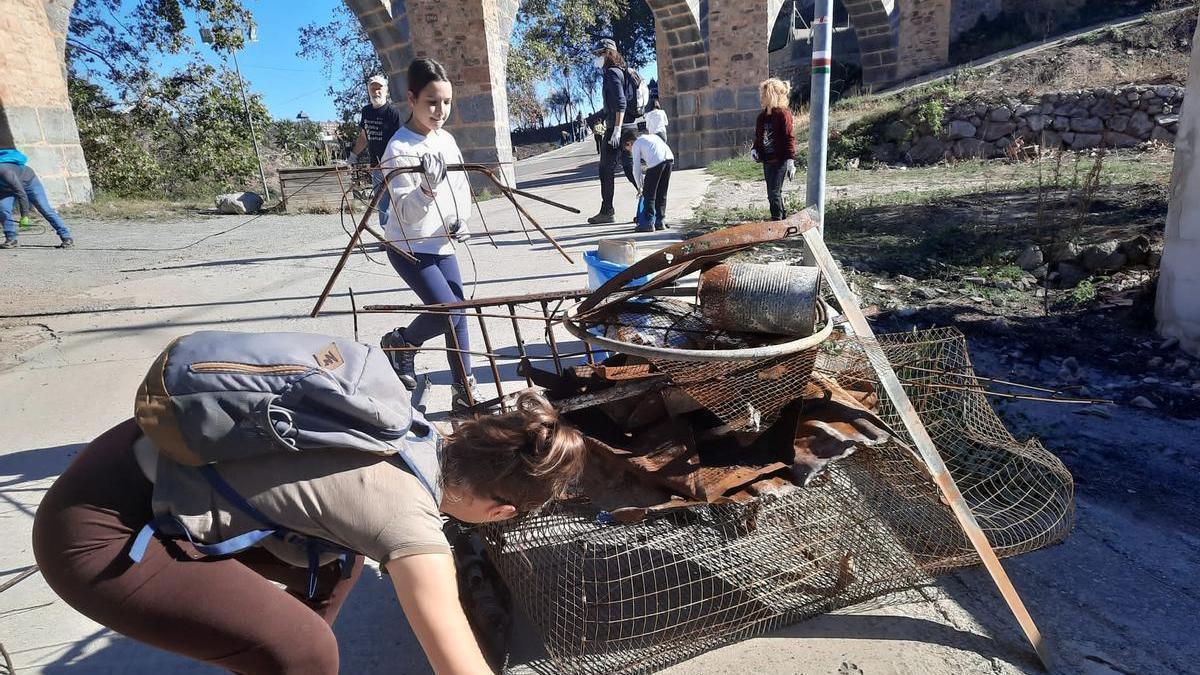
<point>429,214</point>
<point>656,120</point>
<point>653,184</point>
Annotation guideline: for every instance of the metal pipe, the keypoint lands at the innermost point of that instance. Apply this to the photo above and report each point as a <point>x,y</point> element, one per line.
<point>550,338</point>
<point>818,111</point>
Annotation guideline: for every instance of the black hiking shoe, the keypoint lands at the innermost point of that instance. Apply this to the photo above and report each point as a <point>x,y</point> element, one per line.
<point>459,400</point>
<point>403,356</point>
<point>602,218</point>
<point>67,243</point>
<point>9,243</point>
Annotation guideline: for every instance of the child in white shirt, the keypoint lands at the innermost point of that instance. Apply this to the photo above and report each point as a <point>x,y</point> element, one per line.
<point>653,184</point>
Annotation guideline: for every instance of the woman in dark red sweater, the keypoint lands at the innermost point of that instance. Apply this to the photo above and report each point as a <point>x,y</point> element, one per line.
<point>775,142</point>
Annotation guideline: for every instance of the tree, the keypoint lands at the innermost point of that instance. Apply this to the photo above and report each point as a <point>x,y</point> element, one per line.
<point>559,102</point>
<point>346,55</point>
<point>142,131</point>
<point>553,42</point>
<point>114,41</point>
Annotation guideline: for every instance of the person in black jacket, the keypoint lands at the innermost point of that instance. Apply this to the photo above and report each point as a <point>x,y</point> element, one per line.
<point>620,115</point>
<point>20,183</point>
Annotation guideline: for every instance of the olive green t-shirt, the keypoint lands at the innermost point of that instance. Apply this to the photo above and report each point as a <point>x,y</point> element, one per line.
<point>364,502</point>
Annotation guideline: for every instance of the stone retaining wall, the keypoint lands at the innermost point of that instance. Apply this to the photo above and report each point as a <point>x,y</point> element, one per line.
<point>1114,118</point>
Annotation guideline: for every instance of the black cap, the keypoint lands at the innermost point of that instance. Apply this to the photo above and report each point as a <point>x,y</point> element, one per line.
<point>603,44</point>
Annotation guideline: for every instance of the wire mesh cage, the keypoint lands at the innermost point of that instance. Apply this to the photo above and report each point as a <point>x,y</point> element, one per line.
<point>633,598</point>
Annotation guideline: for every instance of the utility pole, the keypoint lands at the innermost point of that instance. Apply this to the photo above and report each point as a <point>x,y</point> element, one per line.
<point>250,121</point>
<point>818,127</point>
<point>207,37</point>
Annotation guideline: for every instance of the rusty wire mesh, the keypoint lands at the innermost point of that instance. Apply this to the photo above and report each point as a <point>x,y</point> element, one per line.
<point>745,393</point>
<point>636,598</point>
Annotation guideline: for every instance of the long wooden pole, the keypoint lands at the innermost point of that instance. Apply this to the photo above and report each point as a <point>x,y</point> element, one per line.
<point>933,460</point>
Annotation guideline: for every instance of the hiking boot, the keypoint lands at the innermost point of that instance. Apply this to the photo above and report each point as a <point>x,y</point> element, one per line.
<point>602,218</point>
<point>646,227</point>
<point>9,243</point>
<point>459,399</point>
<point>67,243</point>
<point>403,356</point>
<point>660,225</point>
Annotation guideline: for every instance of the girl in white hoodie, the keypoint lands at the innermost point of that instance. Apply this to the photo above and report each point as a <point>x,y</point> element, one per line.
<point>429,213</point>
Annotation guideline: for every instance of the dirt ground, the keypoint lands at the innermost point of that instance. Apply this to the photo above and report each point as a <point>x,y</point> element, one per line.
<point>929,260</point>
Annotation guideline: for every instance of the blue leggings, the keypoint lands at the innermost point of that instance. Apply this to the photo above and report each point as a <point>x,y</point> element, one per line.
<point>436,279</point>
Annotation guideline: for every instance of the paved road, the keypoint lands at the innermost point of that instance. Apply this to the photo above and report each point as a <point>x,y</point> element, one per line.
<point>80,327</point>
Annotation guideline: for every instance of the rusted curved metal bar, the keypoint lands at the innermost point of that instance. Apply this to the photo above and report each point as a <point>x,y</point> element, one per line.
<point>505,190</point>
<point>677,260</point>
<point>364,225</point>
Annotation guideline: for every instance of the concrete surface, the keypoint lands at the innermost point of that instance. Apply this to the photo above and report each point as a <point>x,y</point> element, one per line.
<point>79,328</point>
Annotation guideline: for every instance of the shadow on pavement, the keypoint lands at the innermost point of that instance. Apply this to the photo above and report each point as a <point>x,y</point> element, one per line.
<point>20,470</point>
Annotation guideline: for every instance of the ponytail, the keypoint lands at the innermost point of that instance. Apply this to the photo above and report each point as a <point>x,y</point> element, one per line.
<point>525,458</point>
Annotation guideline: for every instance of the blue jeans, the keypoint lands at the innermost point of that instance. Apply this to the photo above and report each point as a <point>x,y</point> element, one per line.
<point>385,202</point>
<point>436,279</point>
<point>37,197</point>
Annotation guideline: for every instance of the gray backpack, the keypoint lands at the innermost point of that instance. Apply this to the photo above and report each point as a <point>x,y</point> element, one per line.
<point>215,396</point>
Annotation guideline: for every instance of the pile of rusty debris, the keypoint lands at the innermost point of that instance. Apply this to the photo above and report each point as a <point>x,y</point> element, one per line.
<point>753,467</point>
<point>657,448</point>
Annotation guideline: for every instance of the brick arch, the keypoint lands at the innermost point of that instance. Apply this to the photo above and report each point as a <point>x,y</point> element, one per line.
<point>711,100</point>
<point>876,23</point>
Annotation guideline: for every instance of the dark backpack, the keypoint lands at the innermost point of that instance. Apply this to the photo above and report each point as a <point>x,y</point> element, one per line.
<point>217,396</point>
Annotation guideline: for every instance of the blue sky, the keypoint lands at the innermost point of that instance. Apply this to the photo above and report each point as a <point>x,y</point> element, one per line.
<point>287,83</point>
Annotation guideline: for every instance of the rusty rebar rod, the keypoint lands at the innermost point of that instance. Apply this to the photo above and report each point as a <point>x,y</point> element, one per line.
<point>487,344</point>
<point>550,337</point>
<point>374,204</point>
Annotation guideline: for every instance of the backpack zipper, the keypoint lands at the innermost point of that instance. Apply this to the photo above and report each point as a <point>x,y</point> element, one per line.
<point>230,367</point>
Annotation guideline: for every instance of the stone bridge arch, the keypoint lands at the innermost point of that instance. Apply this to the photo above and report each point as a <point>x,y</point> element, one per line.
<point>711,57</point>
<point>896,39</point>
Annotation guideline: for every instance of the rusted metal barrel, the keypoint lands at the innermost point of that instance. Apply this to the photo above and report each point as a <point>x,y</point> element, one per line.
<point>747,297</point>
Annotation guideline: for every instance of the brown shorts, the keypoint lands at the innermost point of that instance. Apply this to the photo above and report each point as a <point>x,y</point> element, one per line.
<point>225,612</point>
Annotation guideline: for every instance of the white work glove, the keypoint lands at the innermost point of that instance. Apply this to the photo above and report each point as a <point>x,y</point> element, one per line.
<point>791,169</point>
<point>434,171</point>
<point>458,230</point>
<point>754,154</point>
<point>615,140</point>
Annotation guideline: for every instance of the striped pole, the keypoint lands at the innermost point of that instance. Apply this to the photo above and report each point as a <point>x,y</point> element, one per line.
<point>818,128</point>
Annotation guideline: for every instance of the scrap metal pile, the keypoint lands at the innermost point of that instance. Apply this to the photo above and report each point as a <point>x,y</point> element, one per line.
<point>741,481</point>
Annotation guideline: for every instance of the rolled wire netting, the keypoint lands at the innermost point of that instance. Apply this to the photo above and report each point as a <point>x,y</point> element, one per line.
<point>637,598</point>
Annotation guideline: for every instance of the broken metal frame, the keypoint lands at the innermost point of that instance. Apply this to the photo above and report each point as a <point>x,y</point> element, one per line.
<point>509,193</point>
<point>684,257</point>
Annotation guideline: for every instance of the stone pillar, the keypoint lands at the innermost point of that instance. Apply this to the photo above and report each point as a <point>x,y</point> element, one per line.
<point>683,75</point>
<point>737,63</point>
<point>471,39</point>
<point>35,111</point>
<point>1177,306</point>
<point>924,36</point>
<point>875,23</point>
